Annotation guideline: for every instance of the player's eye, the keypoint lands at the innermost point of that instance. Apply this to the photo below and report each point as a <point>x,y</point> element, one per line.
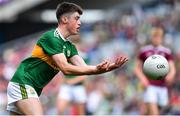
<point>77,18</point>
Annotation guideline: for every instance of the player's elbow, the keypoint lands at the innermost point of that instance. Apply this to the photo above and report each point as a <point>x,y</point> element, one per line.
<point>66,72</point>
<point>173,72</point>
<point>135,70</point>
<point>64,68</point>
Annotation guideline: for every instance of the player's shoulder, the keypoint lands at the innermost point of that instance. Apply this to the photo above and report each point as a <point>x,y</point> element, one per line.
<point>165,49</point>
<point>49,33</point>
<point>70,42</point>
<point>146,48</point>
<point>52,35</point>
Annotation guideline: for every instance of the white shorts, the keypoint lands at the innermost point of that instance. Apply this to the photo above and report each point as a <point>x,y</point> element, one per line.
<point>156,94</point>
<point>75,93</point>
<point>16,92</point>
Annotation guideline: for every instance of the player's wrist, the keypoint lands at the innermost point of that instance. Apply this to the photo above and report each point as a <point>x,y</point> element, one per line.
<point>93,70</point>
<point>99,70</point>
<point>112,67</point>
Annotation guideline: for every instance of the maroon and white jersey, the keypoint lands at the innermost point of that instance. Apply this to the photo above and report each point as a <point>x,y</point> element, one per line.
<point>149,50</point>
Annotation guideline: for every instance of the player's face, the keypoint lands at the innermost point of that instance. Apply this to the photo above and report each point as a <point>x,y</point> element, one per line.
<point>157,40</point>
<point>74,23</point>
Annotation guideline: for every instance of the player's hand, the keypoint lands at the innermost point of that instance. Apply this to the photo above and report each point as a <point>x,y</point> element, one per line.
<point>145,82</point>
<point>169,80</point>
<point>102,67</point>
<point>118,63</point>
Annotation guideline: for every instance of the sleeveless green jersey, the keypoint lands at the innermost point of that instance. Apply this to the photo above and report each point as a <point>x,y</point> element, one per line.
<point>40,68</point>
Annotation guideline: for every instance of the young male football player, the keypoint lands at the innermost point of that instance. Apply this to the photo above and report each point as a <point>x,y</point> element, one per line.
<point>51,54</point>
<point>156,91</point>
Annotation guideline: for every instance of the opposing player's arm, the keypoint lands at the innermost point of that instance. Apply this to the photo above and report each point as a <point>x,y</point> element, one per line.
<point>170,77</point>
<point>139,73</point>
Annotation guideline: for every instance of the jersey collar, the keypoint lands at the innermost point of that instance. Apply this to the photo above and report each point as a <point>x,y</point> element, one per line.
<point>160,46</point>
<point>59,34</point>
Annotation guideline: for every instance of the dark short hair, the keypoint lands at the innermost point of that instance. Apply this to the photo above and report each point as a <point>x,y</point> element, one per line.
<point>67,7</point>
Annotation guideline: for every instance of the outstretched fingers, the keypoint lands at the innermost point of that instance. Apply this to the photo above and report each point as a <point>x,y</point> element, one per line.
<point>104,65</point>
<point>107,65</point>
<point>101,65</point>
<point>121,60</point>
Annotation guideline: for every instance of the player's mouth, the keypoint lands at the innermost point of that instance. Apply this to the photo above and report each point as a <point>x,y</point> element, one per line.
<point>78,28</point>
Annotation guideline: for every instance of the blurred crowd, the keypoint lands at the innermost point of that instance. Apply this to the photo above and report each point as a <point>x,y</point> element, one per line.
<point>117,92</point>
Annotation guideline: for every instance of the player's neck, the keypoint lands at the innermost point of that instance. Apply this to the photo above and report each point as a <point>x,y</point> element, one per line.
<point>63,31</point>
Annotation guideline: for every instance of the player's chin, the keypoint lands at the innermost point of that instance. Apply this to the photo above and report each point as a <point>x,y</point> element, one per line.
<point>75,33</point>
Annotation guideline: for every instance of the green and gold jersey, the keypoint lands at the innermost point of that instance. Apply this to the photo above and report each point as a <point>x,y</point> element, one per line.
<point>40,68</point>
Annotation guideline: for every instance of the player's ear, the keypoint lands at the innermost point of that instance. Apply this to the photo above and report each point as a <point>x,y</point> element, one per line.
<point>64,19</point>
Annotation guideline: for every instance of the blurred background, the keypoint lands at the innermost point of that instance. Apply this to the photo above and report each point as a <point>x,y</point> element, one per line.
<point>109,28</point>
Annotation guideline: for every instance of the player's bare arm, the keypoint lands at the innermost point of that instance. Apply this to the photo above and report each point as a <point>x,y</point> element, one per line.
<point>170,76</point>
<point>101,68</point>
<point>77,60</point>
<point>67,68</point>
<point>139,73</point>
<point>106,65</point>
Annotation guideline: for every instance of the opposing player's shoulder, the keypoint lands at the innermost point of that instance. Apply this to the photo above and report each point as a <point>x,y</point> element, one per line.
<point>165,49</point>
<point>146,48</point>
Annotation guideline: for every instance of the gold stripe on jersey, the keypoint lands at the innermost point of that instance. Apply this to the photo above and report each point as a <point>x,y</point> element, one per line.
<point>39,53</point>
